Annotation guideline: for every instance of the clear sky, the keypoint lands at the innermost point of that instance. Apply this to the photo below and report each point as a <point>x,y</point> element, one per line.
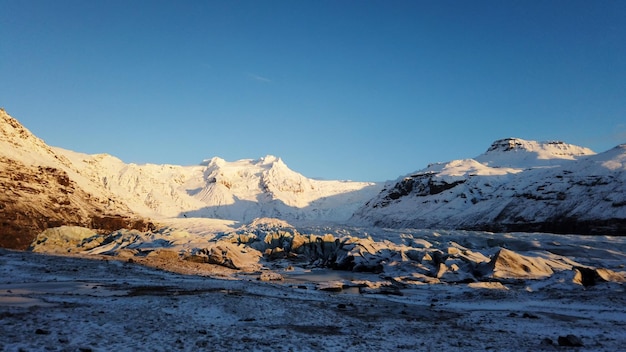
<point>360,90</point>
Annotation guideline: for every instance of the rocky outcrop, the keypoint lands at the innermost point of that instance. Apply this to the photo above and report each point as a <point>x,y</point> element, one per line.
<point>229,255</point>
<point>419,185</point>
<point>542,150</point>
<point>507,264</point>
<point>484,260</point>
<point>40,190</point>
<point>34,198</point>
<point>588,276</point>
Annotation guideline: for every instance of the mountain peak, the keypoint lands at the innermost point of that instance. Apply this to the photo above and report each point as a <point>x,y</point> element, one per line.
<point>10,128</point>
<point>269,159</point>
<point>217,161</point>
<point>553,147</point>
<point>508,144</point>
<point>517,152</point>
<point>17,142</point>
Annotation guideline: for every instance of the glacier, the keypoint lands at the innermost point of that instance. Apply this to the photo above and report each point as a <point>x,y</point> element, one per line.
<point>250,255</point>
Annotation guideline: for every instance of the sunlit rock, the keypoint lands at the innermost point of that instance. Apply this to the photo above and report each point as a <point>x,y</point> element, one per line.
<point>507,264</point>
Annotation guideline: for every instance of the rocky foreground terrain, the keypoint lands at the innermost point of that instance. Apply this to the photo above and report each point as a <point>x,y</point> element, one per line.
<point>100,299</point>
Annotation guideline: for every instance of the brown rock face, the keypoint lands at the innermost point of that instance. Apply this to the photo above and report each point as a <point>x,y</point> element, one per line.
<point>34,198</point>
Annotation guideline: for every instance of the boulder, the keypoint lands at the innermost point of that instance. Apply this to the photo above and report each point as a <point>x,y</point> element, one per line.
<point>570,341</point>
<point>232,256</point>
<point>270,276</point>
<point>590,276</point>
<point>61,239</point>
<point>507,264</point>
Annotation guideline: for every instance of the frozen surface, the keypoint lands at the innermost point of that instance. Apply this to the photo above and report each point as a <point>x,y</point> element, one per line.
<point>112,305</point>
<point>403,290</point>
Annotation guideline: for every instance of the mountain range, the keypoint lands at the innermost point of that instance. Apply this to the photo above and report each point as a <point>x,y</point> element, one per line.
<point>516,185</point>
<point>43,186</point>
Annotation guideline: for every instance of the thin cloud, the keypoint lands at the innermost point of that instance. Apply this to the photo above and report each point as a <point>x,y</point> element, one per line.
<point>259,78</point>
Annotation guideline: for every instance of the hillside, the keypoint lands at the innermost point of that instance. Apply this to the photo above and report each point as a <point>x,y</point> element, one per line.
<point>39,189</point>
<point>516,185</point>
<point>241,190</point>
<point>43,186</point>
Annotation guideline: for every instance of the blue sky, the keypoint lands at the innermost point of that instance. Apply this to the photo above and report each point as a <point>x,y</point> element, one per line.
<point>360,90</point>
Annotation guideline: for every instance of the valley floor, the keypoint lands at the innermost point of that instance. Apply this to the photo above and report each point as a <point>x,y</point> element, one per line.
<point>58,303</point>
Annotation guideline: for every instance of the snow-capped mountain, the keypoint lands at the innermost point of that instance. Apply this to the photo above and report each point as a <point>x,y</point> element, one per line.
<point>519,153</point>
<point>53,186</point>
<point>241,190</point>
<point>515,185</point>
<point>39,188</point>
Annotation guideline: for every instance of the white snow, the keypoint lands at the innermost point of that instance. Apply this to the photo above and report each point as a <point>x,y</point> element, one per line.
<point>278,272</point>
<point>469,290</point>
<point>515,181</point>
<point>240,190</point>
<point>520,153</point>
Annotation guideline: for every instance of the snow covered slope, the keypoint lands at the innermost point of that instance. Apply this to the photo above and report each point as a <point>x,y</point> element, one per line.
<point>39,188</point>
<point>241,190</point>
<point>516,185</point>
